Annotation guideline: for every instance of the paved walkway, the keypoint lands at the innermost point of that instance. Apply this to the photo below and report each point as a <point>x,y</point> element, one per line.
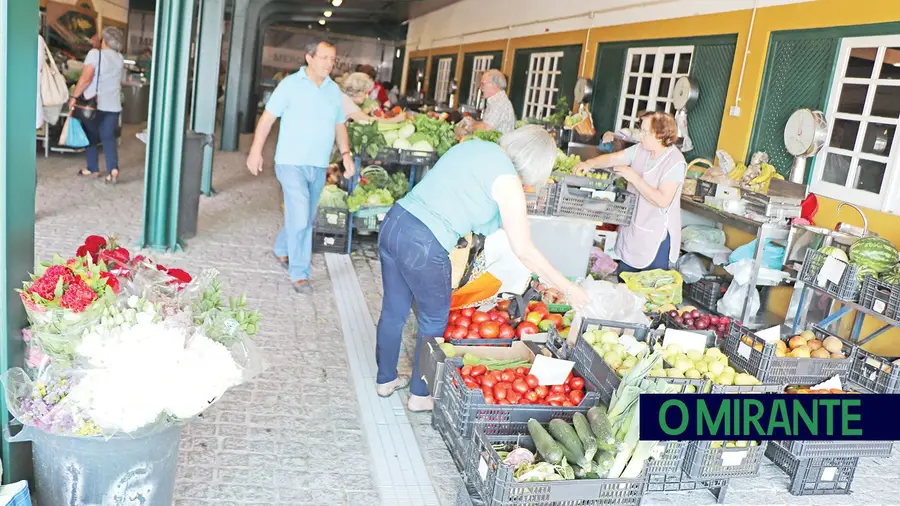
<point>295,435</point>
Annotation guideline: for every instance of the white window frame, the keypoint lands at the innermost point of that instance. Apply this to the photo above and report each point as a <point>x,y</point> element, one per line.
<point>480,64</point>
<point>887,200</point>
<point>442,84</point>
<point>627,119</point>
<point>541,90</point>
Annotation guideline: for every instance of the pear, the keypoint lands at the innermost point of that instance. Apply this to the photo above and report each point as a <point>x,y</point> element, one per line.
<point>693,374</point>
<point>694,356</point>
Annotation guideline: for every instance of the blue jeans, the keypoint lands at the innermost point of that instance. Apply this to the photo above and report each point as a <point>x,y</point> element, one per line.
<point>102,129</point>
<point>302,186</point>
<point>660,262</point>
<point>414,265</point>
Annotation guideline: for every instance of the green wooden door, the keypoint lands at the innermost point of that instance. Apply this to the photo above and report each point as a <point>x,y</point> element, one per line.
<point>568,67</point>
<point>468,65</point>
<point>711,64</point>
<point>415,65</point>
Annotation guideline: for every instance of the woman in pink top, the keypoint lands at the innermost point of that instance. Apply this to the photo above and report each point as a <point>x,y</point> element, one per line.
<point>655,171</point>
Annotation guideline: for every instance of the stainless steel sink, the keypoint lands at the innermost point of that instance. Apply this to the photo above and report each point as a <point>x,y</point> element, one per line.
<point>804,237</point>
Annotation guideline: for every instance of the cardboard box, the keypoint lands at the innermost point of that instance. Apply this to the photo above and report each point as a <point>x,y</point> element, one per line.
<point>431,358</point>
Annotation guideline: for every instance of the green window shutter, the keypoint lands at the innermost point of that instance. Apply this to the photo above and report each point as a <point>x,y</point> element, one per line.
<point>518,77</point>
<point>711,68</point>
<point>465,85</point>
<point>608,85</point>
<point>565,81</point>
<point>798,74</point>
<point>569,67</point>
<point>414,66</point>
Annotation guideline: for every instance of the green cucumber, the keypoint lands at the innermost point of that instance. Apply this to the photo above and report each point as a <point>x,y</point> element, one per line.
<point>583,428</point>
<point>596,416</point>
<point>603,462</point>
<point>568,438</point>
<point>549,449</point>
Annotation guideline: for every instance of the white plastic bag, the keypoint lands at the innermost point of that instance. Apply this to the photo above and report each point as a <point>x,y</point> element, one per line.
<point>691,267</point>
<point>732,303</point>
<point>610,302</point>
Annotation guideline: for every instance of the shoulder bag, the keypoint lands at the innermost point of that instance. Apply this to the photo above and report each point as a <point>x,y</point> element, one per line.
<point>86,109</point>
<point>54,91</point>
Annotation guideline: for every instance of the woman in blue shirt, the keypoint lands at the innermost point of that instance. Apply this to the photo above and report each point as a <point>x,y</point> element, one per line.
<point>475,187</point>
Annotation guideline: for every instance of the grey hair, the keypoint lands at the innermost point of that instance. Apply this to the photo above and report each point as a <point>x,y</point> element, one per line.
<point>313,45</point>
<point>533,153</point>
<point>357,83</point>
<point>497,78</point>
<point>113,38</point>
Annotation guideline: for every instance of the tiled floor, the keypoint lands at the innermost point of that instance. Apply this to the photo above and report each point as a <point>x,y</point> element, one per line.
<point>295,436</point>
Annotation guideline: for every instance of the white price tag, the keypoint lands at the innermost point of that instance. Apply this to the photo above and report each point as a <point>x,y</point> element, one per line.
<point>482,468</point>
<point>730,459</point>
<point>744,350</point>
<point>381,217</point>
<point>329,241</point>
<point>332,219</point>
<point>828,474</point>
<point>832,270</point>
<point>879,306</point>
<point>603,195</point>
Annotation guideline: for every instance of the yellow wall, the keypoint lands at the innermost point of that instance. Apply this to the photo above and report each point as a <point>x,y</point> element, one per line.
<point>735,131</point>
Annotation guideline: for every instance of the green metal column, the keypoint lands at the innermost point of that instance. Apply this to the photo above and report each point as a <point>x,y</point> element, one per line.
<point>168,104</point>
<point>239,16</point>
<point>206,80</point>
<point>18,97</point>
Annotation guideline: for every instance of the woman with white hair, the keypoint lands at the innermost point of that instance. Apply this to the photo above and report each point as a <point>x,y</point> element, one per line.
<point>477,186</point>
<point>356,88</point>
<point>102,79</point>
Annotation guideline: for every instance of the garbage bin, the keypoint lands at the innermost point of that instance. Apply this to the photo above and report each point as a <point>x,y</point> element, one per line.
<point>191,182</point>
<point>135,103</point>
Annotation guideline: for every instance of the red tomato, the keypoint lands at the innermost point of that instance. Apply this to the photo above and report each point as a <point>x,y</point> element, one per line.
<point>568,404</point>
<point>542,391</point>
<point>505,385</point>
<point>513,397</point>
<point>556,398</point>
<point>504,402</point>
<point>506,332</point>
<point>489,399</point>
<point>558,389</point>
<point>448,332</point>
<point>555,403</point>
<point>458,332</point>
<point>453,316</point>
<point>532,381</point>
<point>479,317</point>
<point>494,315</point>
<point>488,381</point>
<point>567,388</point>
<point>521,370</point>
<point>463,321</point>
<point>532,397</point>
<point>475,327</point>
<point>487,391</point>
<point>526,328</point>
<point>473,334</point>
<point>467,312</point>
<point>478,370</point>
<point>497,375</point>
<point>490,330</point>
<point>570,376</point>
<point>503,305</point>
<point>520,386</point>
<point>499,392</point>
<point>466,370</point>
<point>507,376</point>
<point>470,382</point>
<point>576,383</point>
<point>576,396</point>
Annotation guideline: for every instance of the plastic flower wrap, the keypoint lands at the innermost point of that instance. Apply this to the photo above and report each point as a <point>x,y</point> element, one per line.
<point>44,403</point>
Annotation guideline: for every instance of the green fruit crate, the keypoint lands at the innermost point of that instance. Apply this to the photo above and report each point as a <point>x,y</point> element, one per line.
<point>882,298</point>
<point>873,373</point>
<point>679,482</point>
<point>847,288</point>
<point>485,469</point>
<point>814,476</point>
<point>706,460</point>
<point>759,359</point>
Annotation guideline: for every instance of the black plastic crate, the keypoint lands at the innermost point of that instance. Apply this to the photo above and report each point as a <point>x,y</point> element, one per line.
<point>604,377</point>
<point>821,449</point>
<point>542,202</point>
<point>465,407</point>
<point>680,482</point>
<point>670,323</point>
<point>332,218</point>
<point>814,476</point>
<point>329,241</point>
<point>847,289</point>
<point>881,297</point>
<point>418,158</point>
<point>707,292</point>
<point>573,202</point>
<point>484,466</point>
<point>876,374</point>
<point>757,357</point>
<point>456,444</point>
<point>481,342</point>
<point>710,460</point>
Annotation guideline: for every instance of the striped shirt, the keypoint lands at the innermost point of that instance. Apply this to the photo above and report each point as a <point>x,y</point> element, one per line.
<point>499,113</point>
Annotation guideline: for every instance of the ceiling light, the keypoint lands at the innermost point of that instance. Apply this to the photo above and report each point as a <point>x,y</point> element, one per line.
<point>328,14</point>
<point>322,21</point>
<point>337,3</point>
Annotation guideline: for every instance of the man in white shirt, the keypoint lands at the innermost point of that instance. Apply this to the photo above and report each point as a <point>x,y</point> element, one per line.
<point>498,113</point>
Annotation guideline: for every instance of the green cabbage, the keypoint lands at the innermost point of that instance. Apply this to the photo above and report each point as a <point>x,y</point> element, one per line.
<point>333,196</point>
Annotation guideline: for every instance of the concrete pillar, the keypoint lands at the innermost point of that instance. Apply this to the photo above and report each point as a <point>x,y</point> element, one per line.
<point>206,80</point>
<point>168,106</point>
<point>239,28</point>
<point>18,98</point>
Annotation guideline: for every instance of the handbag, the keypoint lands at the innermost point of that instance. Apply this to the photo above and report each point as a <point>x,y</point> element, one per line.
<point>53,85</point>
<point>86,109</point>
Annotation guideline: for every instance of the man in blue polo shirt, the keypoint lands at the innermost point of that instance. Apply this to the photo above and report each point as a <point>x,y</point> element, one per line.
<point>309,105</point>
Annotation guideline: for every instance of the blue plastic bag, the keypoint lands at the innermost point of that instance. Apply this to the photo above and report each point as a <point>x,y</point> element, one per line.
<point>773,255</point>
<point>15,494</point>
<point>76,138</point>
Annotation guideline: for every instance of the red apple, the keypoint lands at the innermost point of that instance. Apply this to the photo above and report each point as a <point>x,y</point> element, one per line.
<point>506,332</point>
<point>479,317</point>
<point>467,312</point>
<point>463,321</point>
<point>458,332</point>
<point>473,334</point>
<point>526,328</point>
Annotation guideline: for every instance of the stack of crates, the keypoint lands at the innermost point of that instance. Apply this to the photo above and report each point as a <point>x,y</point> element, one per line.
<point>331,230</point>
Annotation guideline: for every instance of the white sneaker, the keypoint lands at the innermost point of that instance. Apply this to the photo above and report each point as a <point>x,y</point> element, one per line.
<point>386,389</point>
<point>418,404</point>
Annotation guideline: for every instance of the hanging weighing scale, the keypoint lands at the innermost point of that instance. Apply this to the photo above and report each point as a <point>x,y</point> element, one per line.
<point>685,95</point>
<point>804,135</point>
<point>584,90</point>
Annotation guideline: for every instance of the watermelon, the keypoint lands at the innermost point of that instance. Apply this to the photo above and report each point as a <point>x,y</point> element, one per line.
<point>874,252</point>
<point>865,270</point>
<point>892,276</point>
<point>836,253</point>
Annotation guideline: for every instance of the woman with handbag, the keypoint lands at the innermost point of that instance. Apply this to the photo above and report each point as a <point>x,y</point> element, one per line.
<point>97,102</point>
